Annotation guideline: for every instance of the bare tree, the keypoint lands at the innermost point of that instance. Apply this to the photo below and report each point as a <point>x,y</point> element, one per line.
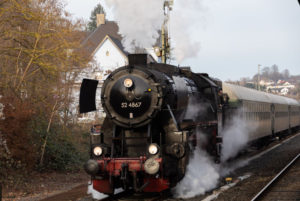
<point>286,74</point>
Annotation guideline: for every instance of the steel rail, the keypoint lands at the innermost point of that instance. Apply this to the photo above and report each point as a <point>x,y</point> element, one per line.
<point>116,196</point>
<point>130,195</point>
<point>263,192</point>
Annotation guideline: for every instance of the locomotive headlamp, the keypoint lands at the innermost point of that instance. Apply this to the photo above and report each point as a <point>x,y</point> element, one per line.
<point>128,82</point>
<point>151,166</point>
<point>97,151</point>
<point>153,149</point>
<point>91,167</point>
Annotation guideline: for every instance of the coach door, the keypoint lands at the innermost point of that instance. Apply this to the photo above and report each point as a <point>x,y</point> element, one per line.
<point>273,118</point>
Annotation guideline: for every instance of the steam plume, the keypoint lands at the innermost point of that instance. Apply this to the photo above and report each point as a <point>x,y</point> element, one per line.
<point>235,136</point>
<point>202,175</point>
<point>186,18</point>
<point>195,108</point>
<point>95,194</point>
<point>139,21</point>
<point>98,196</point>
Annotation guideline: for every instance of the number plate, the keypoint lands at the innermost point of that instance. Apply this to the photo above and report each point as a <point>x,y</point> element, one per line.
<point>131,105</point>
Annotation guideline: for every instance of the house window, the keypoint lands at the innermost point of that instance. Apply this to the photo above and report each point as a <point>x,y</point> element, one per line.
<point>107,53</point>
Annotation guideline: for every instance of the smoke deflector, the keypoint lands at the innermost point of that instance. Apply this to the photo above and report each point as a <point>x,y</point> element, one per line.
<point>87,99</point>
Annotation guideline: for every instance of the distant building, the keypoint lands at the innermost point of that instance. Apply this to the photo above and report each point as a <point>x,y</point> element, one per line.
<point>282,87</point>
<point>284,91</point>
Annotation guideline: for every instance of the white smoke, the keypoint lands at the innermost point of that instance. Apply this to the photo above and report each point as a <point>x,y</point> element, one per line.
<point>139,21</point>
<point>195,109</point>
<point>235,136</point>
<point>95,194</point>
<point>229,167</point>
<point>186,18</point>
<point>201,176</point>
<point>203,173</point>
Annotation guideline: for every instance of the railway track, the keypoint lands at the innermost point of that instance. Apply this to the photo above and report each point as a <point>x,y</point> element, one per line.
<point>139,197</point>
<point>284,186</point>
<point>131,196</point>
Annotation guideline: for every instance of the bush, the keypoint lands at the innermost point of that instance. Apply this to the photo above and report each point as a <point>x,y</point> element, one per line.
<point>66,148</point>
<point>61,154</point>
<point>24,132</point>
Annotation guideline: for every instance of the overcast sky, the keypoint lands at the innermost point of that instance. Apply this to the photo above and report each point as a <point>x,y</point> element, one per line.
<point>237,35</point>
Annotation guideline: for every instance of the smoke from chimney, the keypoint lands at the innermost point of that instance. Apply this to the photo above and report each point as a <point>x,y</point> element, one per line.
<point>187,17</point>
<point>139,21</point>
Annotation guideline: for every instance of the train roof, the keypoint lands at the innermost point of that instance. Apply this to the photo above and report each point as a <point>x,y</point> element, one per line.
<point>236,92</point>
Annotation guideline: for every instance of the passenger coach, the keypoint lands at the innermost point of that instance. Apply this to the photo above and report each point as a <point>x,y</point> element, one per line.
<point>265,113</point>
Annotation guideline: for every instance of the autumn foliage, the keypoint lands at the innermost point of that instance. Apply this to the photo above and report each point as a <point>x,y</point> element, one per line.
<point>39,54</point>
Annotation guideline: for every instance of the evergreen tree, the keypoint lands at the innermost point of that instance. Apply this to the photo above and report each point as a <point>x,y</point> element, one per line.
<point>92,25</point>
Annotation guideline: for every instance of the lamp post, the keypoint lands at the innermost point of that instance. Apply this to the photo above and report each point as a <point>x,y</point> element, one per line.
<point>258,78</point>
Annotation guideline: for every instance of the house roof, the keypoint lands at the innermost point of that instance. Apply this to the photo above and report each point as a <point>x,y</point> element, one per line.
<point>92,42</point>
<point>109,30</point>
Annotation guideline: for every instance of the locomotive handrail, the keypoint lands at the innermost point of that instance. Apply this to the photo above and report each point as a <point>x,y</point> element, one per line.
<point>173,117</point>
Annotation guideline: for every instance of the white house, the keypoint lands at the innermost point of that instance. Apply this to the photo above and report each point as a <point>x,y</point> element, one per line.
<point>284,91</point>
<point>105,47</point>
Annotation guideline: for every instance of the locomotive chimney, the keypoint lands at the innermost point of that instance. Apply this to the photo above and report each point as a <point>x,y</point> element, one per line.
<point>100,19</point>
<point>137,59</point>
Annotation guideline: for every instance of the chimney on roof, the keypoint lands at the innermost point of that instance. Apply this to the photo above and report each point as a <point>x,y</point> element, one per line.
<point>100,19</point>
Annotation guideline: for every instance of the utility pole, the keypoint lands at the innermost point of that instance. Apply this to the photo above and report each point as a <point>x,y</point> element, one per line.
<point>165,47</point>
<point>258,78</point>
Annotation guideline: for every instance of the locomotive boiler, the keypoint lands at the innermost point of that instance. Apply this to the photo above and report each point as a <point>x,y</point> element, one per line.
<point>157,114</point>
<point>152,113</point>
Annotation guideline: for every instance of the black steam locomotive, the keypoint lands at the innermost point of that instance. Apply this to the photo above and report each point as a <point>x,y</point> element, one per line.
<point>153,114</point>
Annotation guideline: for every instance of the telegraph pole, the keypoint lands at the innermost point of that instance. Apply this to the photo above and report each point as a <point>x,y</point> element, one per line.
<point>258,78</point>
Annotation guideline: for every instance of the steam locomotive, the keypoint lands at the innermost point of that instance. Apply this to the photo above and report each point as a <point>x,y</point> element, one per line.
<point>154,113</point>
